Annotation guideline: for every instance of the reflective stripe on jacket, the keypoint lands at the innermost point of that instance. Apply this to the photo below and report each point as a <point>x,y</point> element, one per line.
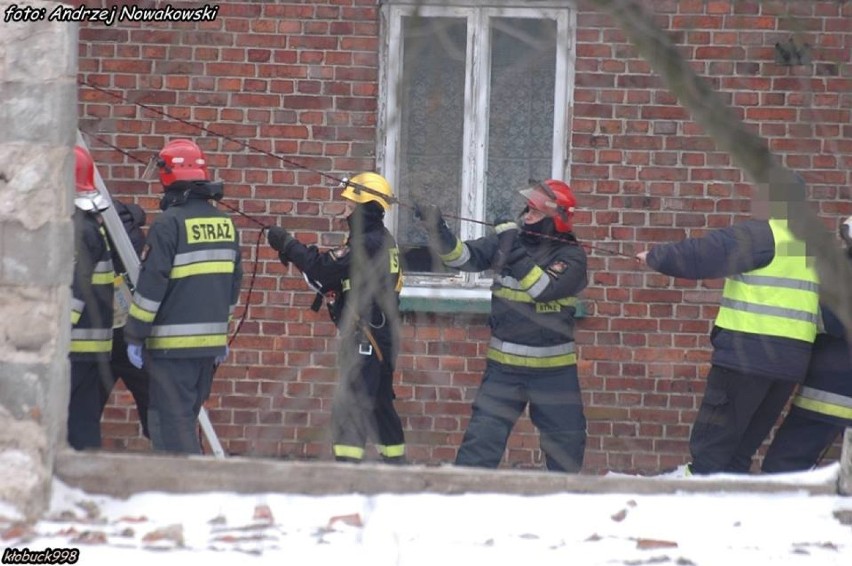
<point>533,300</point>
<point>780,299</point>
<point>189,283</point>
<point>826,393</point>
<point>825,403</point>
<point>92,290</point>
<point>511,354</point>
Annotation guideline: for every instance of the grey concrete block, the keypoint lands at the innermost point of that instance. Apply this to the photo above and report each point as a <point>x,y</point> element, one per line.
<point>38,127</point>
<point>34,328</point>
<point>39,392</point>
<point>22,387</point>
<point>51,47</point>
<point>31,175</point>
<point>57,384</point>
<point>845,482</point>
<point>25,476</point>
<point>36,257</point>
<point>42,113</point>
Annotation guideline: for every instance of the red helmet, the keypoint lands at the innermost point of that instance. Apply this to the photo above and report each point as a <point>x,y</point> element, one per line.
<point>84,170</point>
<point>182,160</point>
<point>86,196</point>
<point>553,198</point>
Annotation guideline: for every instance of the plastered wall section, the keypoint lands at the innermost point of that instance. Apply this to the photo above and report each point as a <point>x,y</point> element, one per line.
<point>38,66</point>
<point>845,482</point>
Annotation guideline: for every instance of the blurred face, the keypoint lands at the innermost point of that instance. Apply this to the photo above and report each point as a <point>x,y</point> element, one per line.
<point>341,220</point>
<point>531,216</point>
<point>846,233</point>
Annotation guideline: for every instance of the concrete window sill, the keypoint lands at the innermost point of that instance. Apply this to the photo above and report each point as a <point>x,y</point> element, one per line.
<point>454,300</point>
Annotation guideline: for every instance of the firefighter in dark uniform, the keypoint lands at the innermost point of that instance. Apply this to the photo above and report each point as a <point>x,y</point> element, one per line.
<point>361,282</point>
<point>91,308</point>
<point>135,379</point>
<point>762,336</point>
<point>531,357</point>
<point>189,283</point>
<point>822,407</point>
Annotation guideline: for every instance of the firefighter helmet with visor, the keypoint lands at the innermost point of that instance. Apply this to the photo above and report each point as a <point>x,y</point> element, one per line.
<point>182,160</point>
<point>554,199</point>
<point>86,196</point>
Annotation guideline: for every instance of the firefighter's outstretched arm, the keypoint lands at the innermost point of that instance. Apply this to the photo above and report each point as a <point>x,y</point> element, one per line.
<point>324,268</point>
<point>473,255</point>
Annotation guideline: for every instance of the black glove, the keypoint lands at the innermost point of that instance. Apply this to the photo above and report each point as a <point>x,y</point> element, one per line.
<point>440,236</point>
<point>278,238</point>
<point>431,216</point>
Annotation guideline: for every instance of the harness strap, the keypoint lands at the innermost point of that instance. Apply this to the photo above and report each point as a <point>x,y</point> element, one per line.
<point>366,330</point>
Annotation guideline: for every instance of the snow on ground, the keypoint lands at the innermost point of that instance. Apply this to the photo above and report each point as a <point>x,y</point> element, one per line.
<point>781,529</point>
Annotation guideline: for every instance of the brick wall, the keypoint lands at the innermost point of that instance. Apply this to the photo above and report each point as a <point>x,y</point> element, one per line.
<point>300,81</point>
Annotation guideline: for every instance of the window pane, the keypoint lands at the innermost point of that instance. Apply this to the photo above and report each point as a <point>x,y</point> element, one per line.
<point>432,108</point>
<point>520,123</point>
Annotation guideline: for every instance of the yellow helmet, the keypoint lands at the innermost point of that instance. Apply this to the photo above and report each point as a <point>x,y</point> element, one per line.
<point>367,187</point>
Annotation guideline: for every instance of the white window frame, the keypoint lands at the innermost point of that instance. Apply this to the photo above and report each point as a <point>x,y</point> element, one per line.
<point>475,142</point>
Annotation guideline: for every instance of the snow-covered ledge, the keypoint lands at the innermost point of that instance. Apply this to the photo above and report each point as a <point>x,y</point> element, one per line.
<point>123,475</point>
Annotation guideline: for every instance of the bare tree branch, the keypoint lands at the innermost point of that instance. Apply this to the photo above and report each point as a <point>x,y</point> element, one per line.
<point>775,183</point>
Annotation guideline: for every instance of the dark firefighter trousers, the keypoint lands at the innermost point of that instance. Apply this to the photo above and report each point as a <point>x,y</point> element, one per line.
<point>556,410</point>
<point>799,443</point>
<point>135,379</point>
<point>88,379</point>
<point>363,409</point>
<point>178,389</point>
<point>92,383</point>
<point>737,412</point>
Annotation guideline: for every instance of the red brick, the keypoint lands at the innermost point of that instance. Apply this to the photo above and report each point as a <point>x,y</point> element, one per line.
<point>301,80</point>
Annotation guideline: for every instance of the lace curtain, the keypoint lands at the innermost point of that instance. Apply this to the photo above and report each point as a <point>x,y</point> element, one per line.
<point>519,115</point>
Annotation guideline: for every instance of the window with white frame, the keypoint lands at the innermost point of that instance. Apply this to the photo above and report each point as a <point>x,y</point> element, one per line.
<point>474,105</point>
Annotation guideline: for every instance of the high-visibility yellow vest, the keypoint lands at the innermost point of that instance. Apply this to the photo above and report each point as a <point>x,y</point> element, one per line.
<point>781,299</point>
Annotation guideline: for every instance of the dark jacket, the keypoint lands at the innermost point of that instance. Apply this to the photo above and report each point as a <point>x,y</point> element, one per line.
<point>826,394</point>
<point>189,283</point>
<point>378,278</point>
<point>133,218</point>
<point>541,316</point>
<point>730,251</point>
<point>91,289</point>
